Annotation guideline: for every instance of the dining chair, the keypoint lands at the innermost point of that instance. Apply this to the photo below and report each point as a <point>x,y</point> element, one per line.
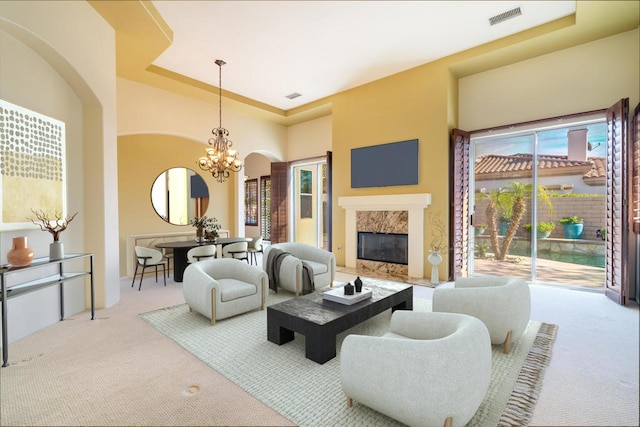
<point>255,246</point>
<point>201,252</point>
<point>238,250</point>
<point>148,257</point>
<point>168,255</point>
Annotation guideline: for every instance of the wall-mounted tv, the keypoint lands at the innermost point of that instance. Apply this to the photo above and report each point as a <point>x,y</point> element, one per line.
<point>385,165</point>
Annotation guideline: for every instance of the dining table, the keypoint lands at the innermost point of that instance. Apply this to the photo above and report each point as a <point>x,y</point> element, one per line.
<point>180,249</point>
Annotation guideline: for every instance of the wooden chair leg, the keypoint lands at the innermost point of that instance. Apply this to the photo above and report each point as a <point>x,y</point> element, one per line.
<point>349,402</point>
<point>213,306</point>
<point>447,422</point>
<point>507,343</point>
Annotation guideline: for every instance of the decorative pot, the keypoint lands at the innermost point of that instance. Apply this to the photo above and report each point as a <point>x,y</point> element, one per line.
<point>479,231</point>
<point>56,251</point>
<point>434,258</point>
<point>502,227</point>
<point>543,234</point>
<point>572,231</point>
<point>348,289</point>
<point>199,234</point>
<point>20,255</point>
<point>358,283</point>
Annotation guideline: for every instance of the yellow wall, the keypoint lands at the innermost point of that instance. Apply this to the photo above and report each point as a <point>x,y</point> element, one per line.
<point>409,105</point>
<point>141,158</point>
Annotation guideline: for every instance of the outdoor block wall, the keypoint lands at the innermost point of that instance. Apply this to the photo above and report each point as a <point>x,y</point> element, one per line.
<point>590,208</point>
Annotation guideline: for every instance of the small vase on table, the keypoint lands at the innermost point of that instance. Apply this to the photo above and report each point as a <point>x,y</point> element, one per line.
<point>56,250</point>
<point>20,255</point>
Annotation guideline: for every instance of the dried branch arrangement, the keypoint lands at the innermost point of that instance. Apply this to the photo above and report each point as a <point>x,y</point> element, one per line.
<point>54,225</point>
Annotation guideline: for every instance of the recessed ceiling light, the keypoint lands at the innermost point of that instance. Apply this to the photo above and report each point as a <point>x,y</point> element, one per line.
<point>293,95</point>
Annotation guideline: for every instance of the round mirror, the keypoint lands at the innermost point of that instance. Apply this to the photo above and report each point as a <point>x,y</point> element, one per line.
<point>178,195</point>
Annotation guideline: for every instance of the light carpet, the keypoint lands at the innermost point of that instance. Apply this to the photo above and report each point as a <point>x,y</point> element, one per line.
<point>310,394</point>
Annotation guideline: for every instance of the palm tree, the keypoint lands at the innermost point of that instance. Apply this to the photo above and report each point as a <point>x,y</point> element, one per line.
<point>511,203</point>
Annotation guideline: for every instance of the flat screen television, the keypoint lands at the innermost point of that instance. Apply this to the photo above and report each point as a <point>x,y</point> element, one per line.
<point>385,165</point>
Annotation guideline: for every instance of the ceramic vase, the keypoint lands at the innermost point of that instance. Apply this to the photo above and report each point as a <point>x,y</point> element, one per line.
<point>20,255</point>
<point>56,251</point>
<point>358,283</point>
<point>434,258</point>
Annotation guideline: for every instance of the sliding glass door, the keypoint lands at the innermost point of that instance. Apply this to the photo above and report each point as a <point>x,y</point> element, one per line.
<point>500,192</point>
<point>529,188</point>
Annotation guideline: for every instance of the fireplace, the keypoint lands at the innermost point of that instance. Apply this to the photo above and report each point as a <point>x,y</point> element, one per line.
<point>383,247</point>
<point>413,204</point>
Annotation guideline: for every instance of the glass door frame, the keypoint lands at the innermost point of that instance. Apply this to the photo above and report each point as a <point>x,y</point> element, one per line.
<point>317,165</point>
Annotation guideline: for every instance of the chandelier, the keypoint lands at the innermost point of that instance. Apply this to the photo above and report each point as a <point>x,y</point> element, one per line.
<point>220,158</point>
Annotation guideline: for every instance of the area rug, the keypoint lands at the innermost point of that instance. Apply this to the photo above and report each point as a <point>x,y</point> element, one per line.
<point>310,394</point>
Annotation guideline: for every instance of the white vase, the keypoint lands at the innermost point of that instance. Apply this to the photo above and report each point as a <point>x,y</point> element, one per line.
<point>434,258</point>
<point>56,251</point>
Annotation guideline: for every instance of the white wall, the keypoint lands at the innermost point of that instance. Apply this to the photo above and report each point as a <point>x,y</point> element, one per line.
<point>309,139</point>
<point>145,109</point>
<point>58,58</point>
<point>588,77</point>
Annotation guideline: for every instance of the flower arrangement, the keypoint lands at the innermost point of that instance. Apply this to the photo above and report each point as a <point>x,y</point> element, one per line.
<point>208,226</point>
<point>54,225</point>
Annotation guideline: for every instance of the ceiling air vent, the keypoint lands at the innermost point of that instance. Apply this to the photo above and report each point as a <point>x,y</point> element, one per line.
<point>505,15</point>
<point>293,95</point>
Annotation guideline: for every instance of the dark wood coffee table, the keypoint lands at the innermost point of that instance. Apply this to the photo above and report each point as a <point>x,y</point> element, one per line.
<point>320,320</point>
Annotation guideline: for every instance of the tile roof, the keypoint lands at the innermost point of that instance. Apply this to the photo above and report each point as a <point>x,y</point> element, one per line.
<point>519,165</point>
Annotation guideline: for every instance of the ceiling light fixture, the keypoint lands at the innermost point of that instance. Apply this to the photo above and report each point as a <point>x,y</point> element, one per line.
<point>221,159</point>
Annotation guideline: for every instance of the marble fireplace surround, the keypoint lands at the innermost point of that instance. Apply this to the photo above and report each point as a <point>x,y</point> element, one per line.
<point>414,204</point>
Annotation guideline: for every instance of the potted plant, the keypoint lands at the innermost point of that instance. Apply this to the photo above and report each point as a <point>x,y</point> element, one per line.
<point>543,229</point>
<point>480,229</point>
<point>572,226</point>
<point>55,225</point>
<point>206,228</point>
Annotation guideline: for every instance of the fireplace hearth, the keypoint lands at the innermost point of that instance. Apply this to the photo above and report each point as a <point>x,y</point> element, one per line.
<point>383,247</point>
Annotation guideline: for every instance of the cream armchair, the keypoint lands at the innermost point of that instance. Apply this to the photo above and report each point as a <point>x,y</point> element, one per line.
<point>221,288</point>
<point>431,369</point>
<point>502,303</point>
<point>289,276</point>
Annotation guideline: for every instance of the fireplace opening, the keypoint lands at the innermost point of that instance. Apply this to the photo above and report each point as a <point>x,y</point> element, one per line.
<point>383,247</point>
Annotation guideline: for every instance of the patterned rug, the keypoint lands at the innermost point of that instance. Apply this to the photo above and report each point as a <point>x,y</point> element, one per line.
<point>310,394</point>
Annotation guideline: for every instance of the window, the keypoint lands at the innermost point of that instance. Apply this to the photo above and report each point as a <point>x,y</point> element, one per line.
<point>251,202</point>
<point>265,207</point>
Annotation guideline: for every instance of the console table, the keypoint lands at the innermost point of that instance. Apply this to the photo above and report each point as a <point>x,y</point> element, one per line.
<point>12,285</point>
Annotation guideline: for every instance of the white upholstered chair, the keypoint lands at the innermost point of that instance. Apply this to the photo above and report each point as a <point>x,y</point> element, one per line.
<point>431,369</point>
<point>146,258</point>
<point>221,288</point>
<point>200,253</point>
<point>502,303</point>
<point>289,276</point>
<point>255,247</point>
<point>238,250</point>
